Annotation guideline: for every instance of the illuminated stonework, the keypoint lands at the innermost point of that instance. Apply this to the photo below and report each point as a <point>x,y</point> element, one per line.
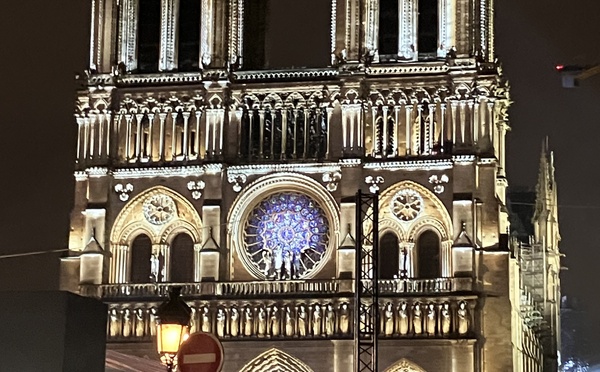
<point>159,209</point>
<point>286,236</point>
<point>407,204</point>
<point>274,360</point>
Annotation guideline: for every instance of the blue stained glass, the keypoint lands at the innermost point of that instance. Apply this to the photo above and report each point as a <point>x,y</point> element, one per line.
<point>286,235</point>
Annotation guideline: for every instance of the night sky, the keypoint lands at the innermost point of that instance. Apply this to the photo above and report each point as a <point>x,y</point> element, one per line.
<point>44,43</point>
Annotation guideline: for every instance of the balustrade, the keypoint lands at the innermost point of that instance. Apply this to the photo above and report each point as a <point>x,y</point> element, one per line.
<point>269,288</point>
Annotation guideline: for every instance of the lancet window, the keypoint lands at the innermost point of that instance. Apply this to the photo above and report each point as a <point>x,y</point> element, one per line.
<point>413,29</point>
<point>389,254</point>
<point>182,259</point>
<point>159,35</point>
<point>284,133</point>
<point>140,260</point>
<point>428,255</point>
<point>271,40</point>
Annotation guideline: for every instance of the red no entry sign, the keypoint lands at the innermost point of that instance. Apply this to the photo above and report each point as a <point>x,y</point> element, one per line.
<point>201,352</point>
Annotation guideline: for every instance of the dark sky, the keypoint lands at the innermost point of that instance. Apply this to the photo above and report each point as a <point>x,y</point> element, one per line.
<point>44,43</point>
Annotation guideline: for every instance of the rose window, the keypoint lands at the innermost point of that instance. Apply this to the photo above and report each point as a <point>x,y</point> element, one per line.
<point>286,236</point>
<point>407,204</point>
<point>159,209</point>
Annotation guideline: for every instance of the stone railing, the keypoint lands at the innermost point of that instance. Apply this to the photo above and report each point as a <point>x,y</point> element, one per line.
<point>389,287</point>
<point>315,318</point>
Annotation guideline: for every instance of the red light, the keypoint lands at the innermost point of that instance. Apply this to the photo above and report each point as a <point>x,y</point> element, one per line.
<point>559,67</point>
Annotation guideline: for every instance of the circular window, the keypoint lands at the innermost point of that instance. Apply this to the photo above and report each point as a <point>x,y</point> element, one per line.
<point>159,209</point>
<point>286,236</point>
<point>407,204</point>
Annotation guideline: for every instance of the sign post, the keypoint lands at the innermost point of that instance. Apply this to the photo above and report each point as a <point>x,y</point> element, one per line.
<point>201,352</point>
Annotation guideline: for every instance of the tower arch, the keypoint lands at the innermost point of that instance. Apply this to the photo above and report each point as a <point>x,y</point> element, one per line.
<point>161,214</point>
<point>404,365</point>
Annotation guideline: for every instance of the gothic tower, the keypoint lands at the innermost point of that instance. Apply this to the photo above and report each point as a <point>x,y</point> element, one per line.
<point>207,157</point>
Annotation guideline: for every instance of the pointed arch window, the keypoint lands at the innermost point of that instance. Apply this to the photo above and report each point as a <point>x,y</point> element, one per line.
<point>148,35</point>
<point>428,255</point>
<point>389,254</point>
<point>182,259</point>
<point>411,30</point>
<point>286,34</point>
<point>188,36</point>
<point>141,254</point>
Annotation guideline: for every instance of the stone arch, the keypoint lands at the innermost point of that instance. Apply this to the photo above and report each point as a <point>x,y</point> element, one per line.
<point>433,212</point>
<point>131,222</point>
<point>405,365</point>
<point>271,184</point>
<point>274,360</point>
<point>131,219</point>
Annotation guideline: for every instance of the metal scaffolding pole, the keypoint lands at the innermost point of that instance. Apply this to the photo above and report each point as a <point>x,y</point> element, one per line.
<point>366,292</point>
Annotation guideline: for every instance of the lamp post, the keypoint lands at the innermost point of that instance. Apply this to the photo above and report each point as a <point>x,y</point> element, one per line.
<point>172,328</point>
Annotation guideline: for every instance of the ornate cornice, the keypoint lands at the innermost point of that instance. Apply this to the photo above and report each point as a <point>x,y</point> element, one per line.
<point>286,74</point>
<point>410,165</point>
<point>185,171</point>
<point>260,169</point>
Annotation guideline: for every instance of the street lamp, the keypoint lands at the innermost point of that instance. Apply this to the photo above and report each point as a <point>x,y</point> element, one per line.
<point>172,328</point>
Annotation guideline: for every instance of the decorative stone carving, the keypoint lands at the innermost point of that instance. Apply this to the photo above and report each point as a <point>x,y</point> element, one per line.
<point>417,320</point>
<point>302,320</point>
<point>262,322</point>
<point>407,204</point>
<point>463,318</point>
<point>234,322</point>
<point>159,209</point>
<point>317,320</point>
<point>206,323</point>
<point>329,320</point>
<point>431,319</point>
<point>388,319</point>
<point>123,191</point>
<point>248,321</point>
<point>290,322</point>
<point>237,180</point>
<point>438,183</point>
<point>445,319</point>
<point>196,188</point>
<point>374,182</point>
<point>403,319</point>
<point>332,179</point>
<point>344,319</point>
<point>221,319</point>
<point>275,321</point>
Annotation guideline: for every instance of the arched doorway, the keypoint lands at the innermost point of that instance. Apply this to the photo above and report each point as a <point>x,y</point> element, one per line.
<point>388,256</point>
<point>428,255</point>
<point>274,360</point>
<point>182,259</point>
<point>141,254</point>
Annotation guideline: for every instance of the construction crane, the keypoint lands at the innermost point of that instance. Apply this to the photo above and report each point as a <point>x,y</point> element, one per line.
<point>573,74</point>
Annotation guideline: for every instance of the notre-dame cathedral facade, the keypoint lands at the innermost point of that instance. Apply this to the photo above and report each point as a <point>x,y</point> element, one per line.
<point>206,160</point>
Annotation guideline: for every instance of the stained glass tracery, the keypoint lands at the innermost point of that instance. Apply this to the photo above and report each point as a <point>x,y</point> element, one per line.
<point>286,236</point>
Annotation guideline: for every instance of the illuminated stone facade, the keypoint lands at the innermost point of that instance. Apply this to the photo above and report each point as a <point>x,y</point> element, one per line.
<point>235,179</point>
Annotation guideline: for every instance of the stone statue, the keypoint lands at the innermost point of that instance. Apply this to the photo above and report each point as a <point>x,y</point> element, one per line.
<point>445,319</point>
<point>248,321</point>
<point>417,319</point>
<point>463,318</point>
<point>274,321</point>
<point>317,320</point>
<point>388,319</point>
<point>126,322</point>
<point>329,320</point>
<point>431,319</point>
<point>206,324</point>
<point>221,319</point>
<point>152,312</point>
<point>290,323</point>
<point>344,318</point>
<point>115,324</point>
<point>262,322</point>
<point>403,319</point>
<point>234,322</point>
<point>139,322</point>
<point>302,320</point>
<point>154,268</point>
